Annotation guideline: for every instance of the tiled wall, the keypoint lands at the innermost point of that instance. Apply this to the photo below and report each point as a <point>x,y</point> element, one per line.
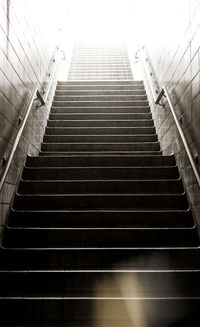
<point>174,60</point>
<point>26,59</point>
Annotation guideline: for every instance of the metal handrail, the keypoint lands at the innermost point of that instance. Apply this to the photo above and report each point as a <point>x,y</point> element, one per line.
<point>164,92</point>
<point>16,141</point>
<point>185,143</point>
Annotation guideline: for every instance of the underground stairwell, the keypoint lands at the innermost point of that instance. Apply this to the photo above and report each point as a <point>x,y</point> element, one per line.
<point>100,232</point>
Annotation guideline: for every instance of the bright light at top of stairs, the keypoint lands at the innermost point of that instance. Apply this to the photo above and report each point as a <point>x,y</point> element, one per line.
<point>137,21</point>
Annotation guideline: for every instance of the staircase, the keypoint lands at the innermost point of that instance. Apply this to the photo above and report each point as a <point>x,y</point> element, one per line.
<point>100,61</point>
<point>100,233</point>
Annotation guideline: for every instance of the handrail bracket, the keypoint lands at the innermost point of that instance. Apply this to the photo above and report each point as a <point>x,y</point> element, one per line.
<point>40,98</point>
<point>162,94</point>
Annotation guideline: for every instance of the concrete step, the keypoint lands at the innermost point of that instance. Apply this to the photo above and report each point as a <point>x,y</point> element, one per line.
<point>129,146</point>
<point>92,67</point>
<point>100,258</point>
<point>106,237</point>
<point>113,97</point>
<point>102,74</point>
<point>100,103</point>
<point>100,116</point>
<point>100,123</point>
<point>100,59</point>
<point>100,173</point>
<point>98,52</point>
<point>61,311</point>
<point>101,218</point>
<point>99,201</point>
<point>116,82</point>
<point>99,130</point>
<point>103,57</point>
<point>109,74</point>
<point>100,71</point>
<point>122,69</point>
<point>100,161</point>
<point>110,283</point>
<point>101,186</point>
<point>87,54</point>
<point>104,77</point>
<point>98,64</point>
<point>96,153</point>
<point>97,138</point>
<point>103,65</point>
<point>98,87</point>
<point>98,110</point>
<point>96,92</point>
<point>88,77</point>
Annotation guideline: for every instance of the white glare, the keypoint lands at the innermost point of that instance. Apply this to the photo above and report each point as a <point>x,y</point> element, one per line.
<point>132,21</point>
<point>100,20</point>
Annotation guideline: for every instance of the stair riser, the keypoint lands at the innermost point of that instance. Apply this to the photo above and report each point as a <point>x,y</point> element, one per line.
<point>112,73</point>
<point>115,71</point>
<point>100,123</point>
<point>101,219</point>
<point>92,284</point>
<point>98,130</point>
<point>100,147</point>
<point>106,64</point>
<point>87,57</point>
<point>144,187</point>
<point>100,173</point>
<point>92,78</point>
<point>103,83</point>
<point>102,58</point>
<point>20,238</point>
<point>101,75</point>
<point>100,161</point>
<point>95,138</point>
<point>121,67</point>
<point>100,87</point>
<point>95,153</point>
<point>84,55</point>
<point>100,259</point>
<point>100,93</point>
<point>94,116</point>
<point>99,110</point>
<point>99,103</point>
<point>63,202</point>
<point>97,115</point>
<point>89,312</point>
<point>103,65</point>
<point>100,97</point>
